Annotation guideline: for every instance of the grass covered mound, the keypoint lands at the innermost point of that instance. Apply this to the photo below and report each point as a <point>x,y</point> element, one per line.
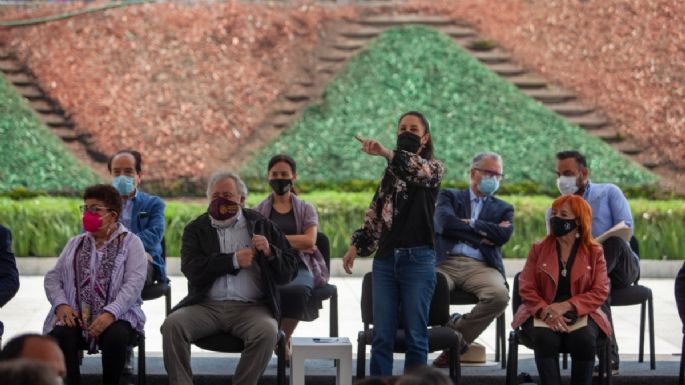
<point>470,110</point>
<point>31,157</point>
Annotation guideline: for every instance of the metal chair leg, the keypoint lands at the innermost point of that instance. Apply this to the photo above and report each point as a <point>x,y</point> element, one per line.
<point>167,300</point>
<point>512,368</point>
<point>280,358</point>
<point>607,362</point>
<point>641,346</point>
<point>652,353</point>
<point>454,365</point>
<point>502,341</point>
<point>681,377</point>
<point>334,314</point>
<point>497,336</point>
<point>141,360</point>
<point>361,356</point>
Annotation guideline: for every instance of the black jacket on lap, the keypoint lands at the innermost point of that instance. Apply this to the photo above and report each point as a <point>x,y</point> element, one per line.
<point>202,261</point>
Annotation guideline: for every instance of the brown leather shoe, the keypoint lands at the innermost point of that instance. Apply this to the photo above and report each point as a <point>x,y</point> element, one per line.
<point>443,360</point>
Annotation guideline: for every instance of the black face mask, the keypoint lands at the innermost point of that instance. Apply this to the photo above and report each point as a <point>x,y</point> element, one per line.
<point>408,142</point>
<point>561,227</point>
<point>281,186</point>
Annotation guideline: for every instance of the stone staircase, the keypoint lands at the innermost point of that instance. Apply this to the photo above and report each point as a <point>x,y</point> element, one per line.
<point>344,39</point>
<point>50,113</point>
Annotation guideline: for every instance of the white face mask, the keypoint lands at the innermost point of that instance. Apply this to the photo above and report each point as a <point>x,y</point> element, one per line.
<point>567,185</point>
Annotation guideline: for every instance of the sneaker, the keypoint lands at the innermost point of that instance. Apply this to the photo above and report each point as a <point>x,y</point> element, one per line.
<point>614,370</point>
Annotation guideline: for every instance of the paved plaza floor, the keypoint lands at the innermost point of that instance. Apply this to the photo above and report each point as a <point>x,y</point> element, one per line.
<point>27,311</point>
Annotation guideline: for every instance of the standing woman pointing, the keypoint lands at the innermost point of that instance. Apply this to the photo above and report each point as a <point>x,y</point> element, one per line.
<point>399,226</point>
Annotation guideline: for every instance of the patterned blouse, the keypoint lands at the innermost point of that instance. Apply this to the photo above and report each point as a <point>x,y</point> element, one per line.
<point>391,196</point>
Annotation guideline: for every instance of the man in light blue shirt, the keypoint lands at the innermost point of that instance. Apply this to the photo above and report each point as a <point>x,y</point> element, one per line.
<point>609,207</point>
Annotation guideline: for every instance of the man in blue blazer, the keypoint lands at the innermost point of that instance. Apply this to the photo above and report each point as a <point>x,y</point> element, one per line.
<point>9,276</point>
<point>142,213</point>
<point>471,226</point>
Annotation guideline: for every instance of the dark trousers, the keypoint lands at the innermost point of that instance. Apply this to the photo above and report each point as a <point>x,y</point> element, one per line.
<point>113,343</point>
<point>623,269</point>
<point>151,276</point>
<point>296,296</point>
<point>581,344</point>
<point>622,266</point>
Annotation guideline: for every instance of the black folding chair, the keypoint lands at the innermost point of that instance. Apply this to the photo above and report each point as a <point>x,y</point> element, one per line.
<point>459,297</point>
<point>139,342</point>
<point>159,288</point>
<point>517,337</point>
<point>439,337</point>
<point>637,294</point>
<point>228,343</point>
<point>328,291</point>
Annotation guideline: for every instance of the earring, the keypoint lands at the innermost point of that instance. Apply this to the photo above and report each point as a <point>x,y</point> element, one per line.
<point>577,234</point>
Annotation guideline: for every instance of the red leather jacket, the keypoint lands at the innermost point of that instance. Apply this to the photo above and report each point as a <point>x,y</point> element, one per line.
<point>538,283</point>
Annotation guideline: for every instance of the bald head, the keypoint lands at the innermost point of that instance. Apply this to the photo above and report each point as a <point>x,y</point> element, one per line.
<point>36,347</point>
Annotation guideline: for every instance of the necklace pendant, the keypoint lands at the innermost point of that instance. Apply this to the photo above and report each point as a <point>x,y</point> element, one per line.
<point>563,272</point>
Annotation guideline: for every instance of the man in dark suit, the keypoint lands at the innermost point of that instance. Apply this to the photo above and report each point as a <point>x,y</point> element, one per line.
<point>9,276</point>
<point>234,259</point>
<point>142,213</point>
<point>471,226</point>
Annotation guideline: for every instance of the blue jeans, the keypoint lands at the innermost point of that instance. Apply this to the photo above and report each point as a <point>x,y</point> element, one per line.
<point>403,286</point>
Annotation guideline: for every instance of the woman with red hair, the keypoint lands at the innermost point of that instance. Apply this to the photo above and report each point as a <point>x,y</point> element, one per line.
<point>562,287</point>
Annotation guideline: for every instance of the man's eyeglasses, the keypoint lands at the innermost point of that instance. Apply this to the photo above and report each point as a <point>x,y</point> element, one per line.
<point>491,174</point>
<point>92,209</point>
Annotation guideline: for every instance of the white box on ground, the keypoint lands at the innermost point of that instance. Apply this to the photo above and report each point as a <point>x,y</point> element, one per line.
<point>336,348</point>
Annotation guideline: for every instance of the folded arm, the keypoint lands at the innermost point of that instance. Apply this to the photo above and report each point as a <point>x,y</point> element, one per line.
<point>449,225</point>
<point>497,233</point>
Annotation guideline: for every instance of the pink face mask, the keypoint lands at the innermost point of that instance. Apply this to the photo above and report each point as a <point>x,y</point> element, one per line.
<point>92,222</point>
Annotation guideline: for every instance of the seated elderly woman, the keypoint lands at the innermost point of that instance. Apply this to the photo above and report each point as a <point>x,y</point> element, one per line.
<point>562,287</point>
<point>95,287</point>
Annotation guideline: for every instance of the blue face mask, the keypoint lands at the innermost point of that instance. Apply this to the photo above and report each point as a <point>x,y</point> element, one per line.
<point>124,184</point>
<point>488,185</point>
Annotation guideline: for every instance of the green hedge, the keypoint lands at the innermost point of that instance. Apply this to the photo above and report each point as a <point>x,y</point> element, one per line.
<point>41,226</point>
<point>470,108</point>
<point>31,157</point>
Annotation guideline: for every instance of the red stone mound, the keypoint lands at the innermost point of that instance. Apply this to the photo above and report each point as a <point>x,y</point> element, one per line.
<point>181,83</point>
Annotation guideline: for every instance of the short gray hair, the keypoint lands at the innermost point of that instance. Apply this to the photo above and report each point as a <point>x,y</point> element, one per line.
<point>478,160</point>
<point>222,175</point>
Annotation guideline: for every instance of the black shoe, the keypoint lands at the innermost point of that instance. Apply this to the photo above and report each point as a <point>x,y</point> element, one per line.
<point>614,370</point>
